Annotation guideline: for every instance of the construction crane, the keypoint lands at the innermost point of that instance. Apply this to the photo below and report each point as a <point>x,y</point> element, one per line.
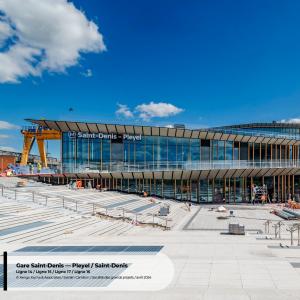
<point>40,134</point>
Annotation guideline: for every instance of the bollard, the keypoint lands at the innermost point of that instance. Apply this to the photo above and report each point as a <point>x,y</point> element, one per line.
<point>297,226</point>
<point>15,194</point>
<point>279,224</point>
<point>63,201</point>
<point>291,229</point>
<point>33,196</point>
<point>93,208</point>
<point>2,192</point>
<point>275,230</point>
<point>46,200</point>
<point>76,205</point>
<point>267,226</point>
<point>123,210</point>
<point>153,219</point>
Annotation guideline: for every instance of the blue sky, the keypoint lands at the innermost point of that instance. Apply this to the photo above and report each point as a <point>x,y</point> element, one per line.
<point>218,62</point>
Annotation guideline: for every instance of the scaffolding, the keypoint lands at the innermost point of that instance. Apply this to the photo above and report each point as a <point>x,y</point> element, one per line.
<point>40,134</point>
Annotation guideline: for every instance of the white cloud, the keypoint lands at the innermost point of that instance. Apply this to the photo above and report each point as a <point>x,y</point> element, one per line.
<point>46,35</point>
<point>124,111</point>
<point>7,125</point>
<point>4,136</point>
<point>87,73</point>
<point>292,121</point>
<point>5,31</point>
<point>7,148</point>
<point>161,110</point>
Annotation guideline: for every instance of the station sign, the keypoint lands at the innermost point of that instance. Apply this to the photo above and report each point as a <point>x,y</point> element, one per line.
<point>104,136</point>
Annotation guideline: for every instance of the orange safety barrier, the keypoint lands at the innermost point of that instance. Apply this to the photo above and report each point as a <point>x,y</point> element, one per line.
<point>293,204</point>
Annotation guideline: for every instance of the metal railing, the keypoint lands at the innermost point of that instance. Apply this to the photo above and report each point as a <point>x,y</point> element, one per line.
<point>85,207</point>
<point>185,165</point>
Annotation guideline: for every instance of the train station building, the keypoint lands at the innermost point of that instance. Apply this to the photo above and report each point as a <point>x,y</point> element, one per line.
<point>210,165</point>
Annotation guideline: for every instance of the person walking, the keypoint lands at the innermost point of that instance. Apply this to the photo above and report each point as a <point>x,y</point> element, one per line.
<point>39,167</point>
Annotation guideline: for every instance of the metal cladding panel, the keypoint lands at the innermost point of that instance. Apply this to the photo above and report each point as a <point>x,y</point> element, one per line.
<point>102,128</point>
<point>259,139</point>
<point>111,128</point>
<point>252,139</point>
<point>163,131</point>
<point>269,172</point>
<point>38,122</point>
<point>62,126</point>
<point>195,134</point>
<point>171,132</point>
<point>297,143</point>
<point>70,175</point>
<point>266,140</point>
<point>138,129</point>
<point>238,172</point>
<point>203,134</point>
<point>212,174</point>
<point>294,171</point>
<point>245,138</point>
<point>52,125</point>
<point>138,175</point>
<point>93,127</point>
<point>210,135</point>
<point>238,138</point>
<point>246,172</point>
<point>120,129</point>
<point>179,133</point>
<point>276,172</point>
<point>82,127</point>
<point>116,175</point>
<point>217,135</point>
<point>283,141</point>
<point>224,137</point>
<point>155,131</point>
<point>129,129</point>
<point>254,172</point>
<point>147,130</point>
<point>230,173</point>
<point>127,175</point>
<point>204,174</point>
<point>232,137</point>
<point>177,174</point>
<point>148,175</point>
<point>186,175</point>
<point>272,141</point>
<point>261,172</point>
<point>220,173</point>
<point>168,175</point>
<point>72,126</point>
<point>187,133</point>
<point>195,175</point>
<point>93,175</point>
<point>158,175</point>
<point>105,175</point>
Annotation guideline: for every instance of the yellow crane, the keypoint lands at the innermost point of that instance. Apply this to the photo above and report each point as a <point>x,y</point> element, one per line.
<point>40,134</point>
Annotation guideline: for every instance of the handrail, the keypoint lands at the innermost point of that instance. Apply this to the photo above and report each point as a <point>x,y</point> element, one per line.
<point>187,165</point>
